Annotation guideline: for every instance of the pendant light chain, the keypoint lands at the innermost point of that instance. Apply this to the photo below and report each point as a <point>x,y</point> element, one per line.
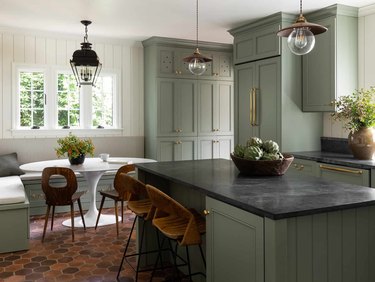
<point>197,22</point>
<point>86,37</point>
<point>300,7</point>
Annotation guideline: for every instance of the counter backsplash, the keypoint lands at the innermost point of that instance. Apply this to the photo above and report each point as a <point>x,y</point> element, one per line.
<point>334,145</point>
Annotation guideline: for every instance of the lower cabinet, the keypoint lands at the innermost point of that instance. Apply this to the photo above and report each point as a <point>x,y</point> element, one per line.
<point>177,149</point>
<point>212,147</point>
<point>344,174</point>
<point>38,206</point>
<point>234,244</point>
<point>303,167</point>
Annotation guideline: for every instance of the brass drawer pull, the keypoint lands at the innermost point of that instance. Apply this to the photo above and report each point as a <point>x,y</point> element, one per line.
<point>206,212</point>
<point>354,171</point>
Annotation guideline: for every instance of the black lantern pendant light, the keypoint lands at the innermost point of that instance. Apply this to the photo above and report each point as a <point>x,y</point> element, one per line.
<point>197,62</point>
<point>85,63</point>
<point>300,35</point>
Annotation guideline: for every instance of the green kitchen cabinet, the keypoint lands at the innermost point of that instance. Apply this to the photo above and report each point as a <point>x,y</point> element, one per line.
<point>330,69</point>
<point>267,90</point>
<point>303,167</point>
<point>213,147</point>
<point>180,107</point>
<point>255,41</point>
<point>344,174</point>
<point>177,149</point>
<point>215,110</point>
<point>258,86</point>
<point>177,101</point>
<point>234,236</point>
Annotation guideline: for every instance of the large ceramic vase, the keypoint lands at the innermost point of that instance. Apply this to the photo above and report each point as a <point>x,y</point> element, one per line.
<point>77,161</point>
<point>362,143</point>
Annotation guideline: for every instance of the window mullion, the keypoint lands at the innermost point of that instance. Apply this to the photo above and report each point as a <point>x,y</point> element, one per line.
<point>86,104</point>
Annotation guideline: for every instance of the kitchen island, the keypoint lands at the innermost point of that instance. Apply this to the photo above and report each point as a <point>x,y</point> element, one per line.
<point>274,229</point>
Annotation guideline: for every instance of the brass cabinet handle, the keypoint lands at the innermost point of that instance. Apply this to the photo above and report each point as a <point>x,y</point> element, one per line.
<point>354,171</point>
<point>178,142</point>
<point>255,106</point>
<point>206,212</point>
<point>251,106</point>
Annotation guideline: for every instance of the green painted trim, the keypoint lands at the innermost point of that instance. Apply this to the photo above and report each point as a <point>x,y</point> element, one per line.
<point>177,42</point>
<point>260,23</point>
<point>333,10</point>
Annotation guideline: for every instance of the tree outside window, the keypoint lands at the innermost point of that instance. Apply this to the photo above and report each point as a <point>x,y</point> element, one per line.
<point>31,99</point>
<point>68,103</point>
<point>102,102</point>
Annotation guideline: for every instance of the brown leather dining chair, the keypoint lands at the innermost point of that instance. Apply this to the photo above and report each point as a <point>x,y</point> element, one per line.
<point>119,194</point>
<point>61,194</point>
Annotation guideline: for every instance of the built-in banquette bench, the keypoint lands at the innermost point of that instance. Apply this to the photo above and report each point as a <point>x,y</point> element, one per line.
<point>21,195</point>
<point>14,207</point>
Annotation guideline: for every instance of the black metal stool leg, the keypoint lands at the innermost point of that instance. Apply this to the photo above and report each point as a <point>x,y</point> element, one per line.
<point>126,248</point>
<point>159,254</point>
<point>203,258</point>
<point>100,212</point>
<point>140,249</point>
<point>188,261</point>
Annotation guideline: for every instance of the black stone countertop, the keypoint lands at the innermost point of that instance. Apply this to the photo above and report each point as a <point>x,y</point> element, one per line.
<point>335,158</point>
<point>275,197</point>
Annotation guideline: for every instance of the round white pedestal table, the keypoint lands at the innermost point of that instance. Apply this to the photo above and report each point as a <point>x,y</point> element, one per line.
<point>92,170</point>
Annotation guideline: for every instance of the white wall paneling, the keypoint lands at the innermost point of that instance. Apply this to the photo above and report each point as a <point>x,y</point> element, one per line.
<point>28,47</point>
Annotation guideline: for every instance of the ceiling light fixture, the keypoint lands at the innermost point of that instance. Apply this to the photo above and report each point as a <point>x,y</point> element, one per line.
<point>300,35</point>
<point>85,63</point>
<point>197,62</point>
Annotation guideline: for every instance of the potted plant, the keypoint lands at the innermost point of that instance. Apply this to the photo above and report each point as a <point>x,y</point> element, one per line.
<point>75,148</point>
<point>357,111</point>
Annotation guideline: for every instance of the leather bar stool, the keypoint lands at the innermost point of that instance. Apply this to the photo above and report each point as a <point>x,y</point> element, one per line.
<point>175,222</point>
<point>61,194</point>
<point>119,194</point>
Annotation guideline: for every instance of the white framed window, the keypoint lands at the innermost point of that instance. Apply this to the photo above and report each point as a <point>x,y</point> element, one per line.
<point>48,101</point>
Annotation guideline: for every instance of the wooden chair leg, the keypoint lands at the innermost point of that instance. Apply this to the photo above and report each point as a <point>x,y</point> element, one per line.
<point>80,210</point>
<point>46,222</point>
<point>53,216</point>
<point>100,211</point>
<point>116,213</point>
<point>72,219</point>
<point>122,211</point>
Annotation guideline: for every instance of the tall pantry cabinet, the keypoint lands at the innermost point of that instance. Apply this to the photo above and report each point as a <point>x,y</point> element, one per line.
<point>187,117</point>
<point>268,89</point>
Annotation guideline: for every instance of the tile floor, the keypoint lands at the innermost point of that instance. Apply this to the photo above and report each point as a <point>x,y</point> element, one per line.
<point>94,256</point>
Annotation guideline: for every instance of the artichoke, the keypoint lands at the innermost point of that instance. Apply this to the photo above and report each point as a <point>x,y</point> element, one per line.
<point>253,153</point>
<point>270,157</point>
<point>270,146</point>
<point>239,150</point>
<point>254,141</point>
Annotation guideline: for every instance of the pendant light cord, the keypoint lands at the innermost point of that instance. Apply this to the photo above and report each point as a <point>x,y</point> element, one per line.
<point>197,22</point>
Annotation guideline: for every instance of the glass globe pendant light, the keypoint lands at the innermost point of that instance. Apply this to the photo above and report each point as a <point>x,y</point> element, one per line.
<point>301,39</point>
<point>197,62</point>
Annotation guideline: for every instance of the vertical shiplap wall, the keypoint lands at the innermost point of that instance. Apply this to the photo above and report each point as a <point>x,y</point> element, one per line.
<point>366,66</point>
<point>17,46</point>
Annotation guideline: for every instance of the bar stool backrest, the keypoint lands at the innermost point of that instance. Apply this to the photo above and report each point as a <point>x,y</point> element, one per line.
<point>118,183</point>
<point>165,206</point>
<point>60,194</point>
<point>136,189</point>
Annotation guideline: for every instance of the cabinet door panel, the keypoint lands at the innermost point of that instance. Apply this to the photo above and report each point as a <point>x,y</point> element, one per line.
<point>344,174</point>
<point>223,107</point>
<point>185,110</point>
<point>244,83</point>
<point>206,106</point>
<point>166,108</point>
<point>166,150</point>
<point>267,93</point>
<point>186,151</point>
<point>235,236</point>
<point>319,74</point>
<point>206,150</point>
<point>224,148</point>
<point>166,61</point>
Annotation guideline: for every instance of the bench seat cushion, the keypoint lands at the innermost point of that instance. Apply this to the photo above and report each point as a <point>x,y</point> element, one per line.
<point>11,190</point>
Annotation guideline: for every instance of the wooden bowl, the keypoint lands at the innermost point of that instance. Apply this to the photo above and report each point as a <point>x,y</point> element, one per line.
<point>263,167</point>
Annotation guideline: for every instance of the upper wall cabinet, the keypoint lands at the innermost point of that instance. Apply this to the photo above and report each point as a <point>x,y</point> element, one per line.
<point>330,69</point>
<point>254,43</point>
<point>170,62</point>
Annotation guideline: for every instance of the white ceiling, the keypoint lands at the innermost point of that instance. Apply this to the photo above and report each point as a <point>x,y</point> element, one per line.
<point>140,19</point>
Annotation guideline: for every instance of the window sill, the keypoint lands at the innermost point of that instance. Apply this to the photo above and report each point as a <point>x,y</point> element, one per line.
<point>56,133</point>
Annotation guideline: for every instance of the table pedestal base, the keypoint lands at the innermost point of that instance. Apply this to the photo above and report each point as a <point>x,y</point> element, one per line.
<point>105,219</point>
